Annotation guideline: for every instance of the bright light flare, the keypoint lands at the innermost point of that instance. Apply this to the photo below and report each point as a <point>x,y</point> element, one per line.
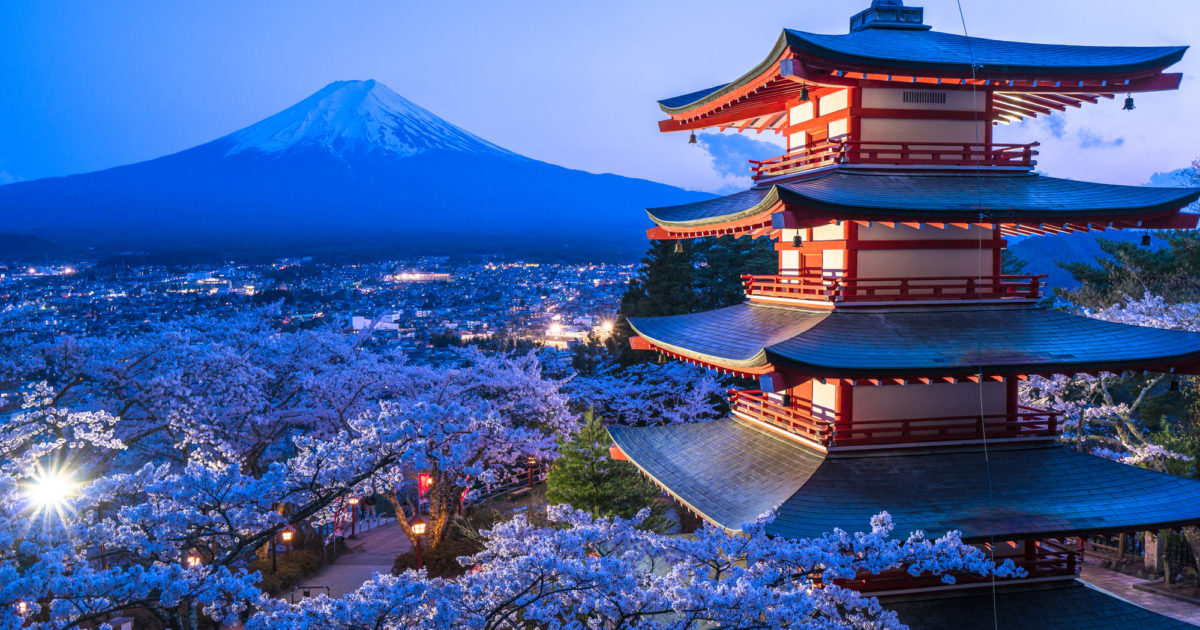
<point>50,490</point>
<point>556,329</point>
<point>606,327</point>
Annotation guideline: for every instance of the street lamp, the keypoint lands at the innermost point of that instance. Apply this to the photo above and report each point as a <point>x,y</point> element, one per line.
<point>194,560</point>
<point>353,516</point>
<point>287,536</point>
<point>531,462</point>
<point>417,525</point>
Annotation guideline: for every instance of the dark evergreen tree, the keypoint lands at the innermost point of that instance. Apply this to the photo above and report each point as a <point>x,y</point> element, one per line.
<point>722,261</point>
<point>585,478</point>
<point>1131,269</point>
<point>1011,264</point>
<point>680,277</point>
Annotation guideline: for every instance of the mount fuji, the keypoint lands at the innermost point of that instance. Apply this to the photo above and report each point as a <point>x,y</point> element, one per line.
<point>354,169</point>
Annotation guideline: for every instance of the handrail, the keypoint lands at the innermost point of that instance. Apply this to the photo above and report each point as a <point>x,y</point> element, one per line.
<point>894,289</point>
<point>914,153</point>
<point>800,420</point>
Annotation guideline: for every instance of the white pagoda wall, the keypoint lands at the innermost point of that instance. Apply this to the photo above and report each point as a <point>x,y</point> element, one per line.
<point>889,263</point>
<point>924,129</point>
<point>897,402</point>
<point>917,130</point>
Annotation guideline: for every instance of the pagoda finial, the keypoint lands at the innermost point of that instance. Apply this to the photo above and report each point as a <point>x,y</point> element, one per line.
<point>889,14</point>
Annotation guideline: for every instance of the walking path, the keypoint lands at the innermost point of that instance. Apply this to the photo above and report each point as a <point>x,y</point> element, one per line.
<point>367,554</point>
<point>1121,585</point>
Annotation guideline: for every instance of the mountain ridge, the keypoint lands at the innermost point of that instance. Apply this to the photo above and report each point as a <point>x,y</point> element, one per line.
<point>351,165</point>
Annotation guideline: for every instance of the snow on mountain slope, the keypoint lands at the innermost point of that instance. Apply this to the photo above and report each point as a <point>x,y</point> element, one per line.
<point>345,117</point>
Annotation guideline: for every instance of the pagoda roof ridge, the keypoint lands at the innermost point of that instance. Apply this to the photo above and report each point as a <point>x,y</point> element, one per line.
<point>916,342</point>
<point>893,51</point>
<point>1048,490</point>
<point>906,195</point>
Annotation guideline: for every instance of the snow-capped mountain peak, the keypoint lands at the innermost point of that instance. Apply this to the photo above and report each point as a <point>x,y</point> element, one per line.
<point>346,117</point>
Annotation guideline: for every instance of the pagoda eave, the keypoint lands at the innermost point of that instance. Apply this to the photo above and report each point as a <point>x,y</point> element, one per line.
<point>1018,202</point>
<point>922,342</point>
<point>799,60</point>
<point>731,471</point>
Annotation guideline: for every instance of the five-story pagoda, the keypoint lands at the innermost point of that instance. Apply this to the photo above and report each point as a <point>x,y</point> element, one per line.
<point>889,346</point>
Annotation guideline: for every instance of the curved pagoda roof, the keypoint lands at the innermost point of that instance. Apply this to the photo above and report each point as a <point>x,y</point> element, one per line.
<point>915,342</point>
<point>842,193</point>
<point>897,51</point>
<point>1047,489</point>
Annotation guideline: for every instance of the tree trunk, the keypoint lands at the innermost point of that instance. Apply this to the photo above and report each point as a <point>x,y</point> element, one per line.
<point>1192,535</point>
<point>443,496</point>
<point>443,504</point>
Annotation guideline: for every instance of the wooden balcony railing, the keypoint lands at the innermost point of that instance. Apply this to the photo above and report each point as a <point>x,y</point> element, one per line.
<point>838,289</point>
<point>799,419</point>
<point>795,419</point>
<point>841,151</point>
<point>1027,422</point>
<point>1045,561</point>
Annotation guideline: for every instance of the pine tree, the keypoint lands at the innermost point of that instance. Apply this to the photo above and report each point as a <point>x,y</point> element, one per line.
<point>679,277</point>
<point>722,261</point>
<point>585,478</point>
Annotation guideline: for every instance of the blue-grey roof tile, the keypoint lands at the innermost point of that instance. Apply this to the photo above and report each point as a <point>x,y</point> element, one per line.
<point>727,470</point>
<point>935,50</point>
<point>936,340</point>
<point>887,195</point>
<point>731,472</point>
<point>1068,605</point>
<point>938,52</point>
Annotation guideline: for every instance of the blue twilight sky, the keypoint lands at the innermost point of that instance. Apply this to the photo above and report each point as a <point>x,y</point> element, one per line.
<point>90,85</point>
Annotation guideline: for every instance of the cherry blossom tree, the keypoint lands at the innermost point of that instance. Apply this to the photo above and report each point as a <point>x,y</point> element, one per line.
<point>1095,419</point>
<point>1098,420</point>
<point>79,543</point>
<point>650,393</point>
<point>607,573</point>
<point>507,414</point>
<point>124,541</point>
<point>234,390</point>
